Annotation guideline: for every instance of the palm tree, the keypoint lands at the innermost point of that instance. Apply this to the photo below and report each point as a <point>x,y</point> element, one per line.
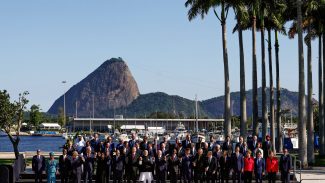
<point>202,7</point>
<point>302,105</point>
<point>273,21</point>
<point>262,14</point>
<point>253,9</point>
<point>241,14</point>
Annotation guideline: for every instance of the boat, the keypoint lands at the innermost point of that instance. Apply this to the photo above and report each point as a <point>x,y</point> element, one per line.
<point>124,137</point>
<point>195,137</point>
<point>180,131</point>
<point>47,134</point>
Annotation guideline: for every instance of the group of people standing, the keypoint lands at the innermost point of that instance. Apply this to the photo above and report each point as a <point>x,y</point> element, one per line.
<point>182,161</point>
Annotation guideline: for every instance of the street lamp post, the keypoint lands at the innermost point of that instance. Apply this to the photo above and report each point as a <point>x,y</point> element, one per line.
<point>64,118</point>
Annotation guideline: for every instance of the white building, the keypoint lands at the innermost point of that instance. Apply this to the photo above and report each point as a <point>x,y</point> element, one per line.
<point>49,126</point>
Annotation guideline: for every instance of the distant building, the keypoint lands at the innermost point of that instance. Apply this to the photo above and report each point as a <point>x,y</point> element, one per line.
<point>49,126</point>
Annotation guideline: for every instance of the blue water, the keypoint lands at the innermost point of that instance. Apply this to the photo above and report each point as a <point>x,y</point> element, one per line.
<point>32,143</point>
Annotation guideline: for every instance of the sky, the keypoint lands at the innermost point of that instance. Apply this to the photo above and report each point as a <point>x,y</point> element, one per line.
<point>43,43</point>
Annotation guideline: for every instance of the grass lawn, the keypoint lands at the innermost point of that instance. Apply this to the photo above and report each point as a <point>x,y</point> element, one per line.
<point>6,161</point>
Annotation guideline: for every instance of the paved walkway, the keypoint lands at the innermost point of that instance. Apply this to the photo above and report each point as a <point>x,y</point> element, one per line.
<point>315,175</point>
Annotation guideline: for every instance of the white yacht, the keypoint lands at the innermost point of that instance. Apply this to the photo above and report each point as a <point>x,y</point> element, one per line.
<point>180,131</point>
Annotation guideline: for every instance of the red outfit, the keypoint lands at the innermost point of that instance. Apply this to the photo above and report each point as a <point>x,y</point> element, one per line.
<point>272,165</point>
<point>249,164</point>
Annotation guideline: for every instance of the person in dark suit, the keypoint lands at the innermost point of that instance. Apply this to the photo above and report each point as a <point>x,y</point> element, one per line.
<point>259,167</point>
<point>164,150</point>
<point>225,163</point>
<point>187,142</point>
<point>64,166</point>
<point>118,165</point>
<point>186,166</point>
<point>88,166</point>
<point>199,166</point>
<point>237,160</point>
<point>173,166</point>
<point>240,144</point>
<point>193,150</point>
<point>108,166</point>
<point>211,168</point>
<point>227,146</point>
<point>76,162</point>
<point>267,146</point>
<point>132,165</point>
<point>285,166</point>
<point>253,144</point>
<point>217,153</point>
<point>198,145</point>
<point>38,165</point>
<point>161,167</point>
<point>144,144</point>
<point>95,143</point>
<point>132,141</point>
<point>101,168</point>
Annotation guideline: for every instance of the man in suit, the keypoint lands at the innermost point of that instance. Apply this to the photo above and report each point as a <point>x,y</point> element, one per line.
<point>193,150</point>
<point>161,167</point>
<point>259,167</point>
<point>144,144</point>
<point>163,149</point>
<point>211,168</point>
<point>238,165</point>
<point>199,166</point>
<point>88,166</point>
<point>212,143</point>
<point>227,146</point>
<point>267,146</point>
<point>186,166</point>
<point>173,165</point>
<point>132,165</point>
<point>132,141</point>
<point>198,145</point>
<point>38,165</point>
<point>240,144</point>
<point>76,162</point>
<point>118,167</point>
<point>253,144</point>
<point>95,143</point>
<point>64,166</point>
<point>187,142</point>
<point>285,166</point>
<point>224,163</point>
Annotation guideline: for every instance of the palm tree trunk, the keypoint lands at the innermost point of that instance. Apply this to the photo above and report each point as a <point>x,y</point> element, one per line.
<point>227,129</point>
<point>243,114</point>
<point>310,108</point>
<point>255,104</point>
<point>264,104</point>
<point>271,89</point>
<point>302,106</point>
<point>278,94</point>
<point>322,140</point>
<point>320,98</point>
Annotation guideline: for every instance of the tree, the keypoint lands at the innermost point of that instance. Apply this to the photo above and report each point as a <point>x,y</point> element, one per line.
<point>35,116</point>
<point>302,106</point>
<point>202,7</point>
<point>11,117</point>
<point>241,14</point>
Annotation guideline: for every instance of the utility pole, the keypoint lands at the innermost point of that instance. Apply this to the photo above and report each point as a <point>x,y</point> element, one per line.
<point>64,115</point>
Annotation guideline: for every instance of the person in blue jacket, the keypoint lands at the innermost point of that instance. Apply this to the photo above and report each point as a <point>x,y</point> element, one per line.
<point>52,168</point>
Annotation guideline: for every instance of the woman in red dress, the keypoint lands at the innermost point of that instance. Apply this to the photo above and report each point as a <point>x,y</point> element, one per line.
<point>248,167</point>
<point>272,167</point>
